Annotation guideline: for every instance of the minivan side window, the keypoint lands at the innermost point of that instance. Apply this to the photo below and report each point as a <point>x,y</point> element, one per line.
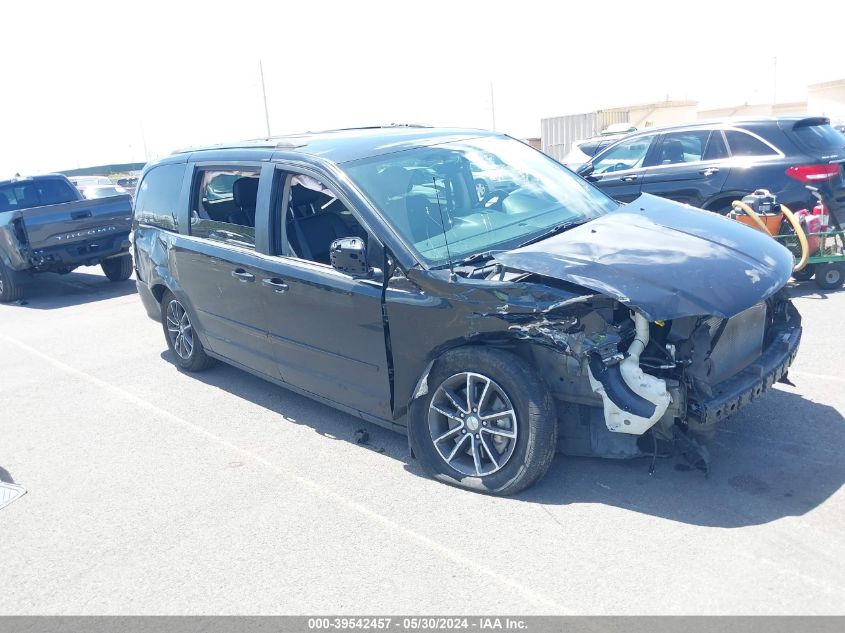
<point>314,217</point>
<point>223,205</point>
<point>627,154</point>
<point>158,196</point>
<point>743,144</point>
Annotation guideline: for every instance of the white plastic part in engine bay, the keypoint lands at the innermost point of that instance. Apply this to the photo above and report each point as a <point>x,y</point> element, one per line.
<point>644,385</point>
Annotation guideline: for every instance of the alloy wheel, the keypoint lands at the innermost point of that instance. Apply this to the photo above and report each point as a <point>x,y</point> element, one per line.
<point>179,330</point>
<point>473,424</point>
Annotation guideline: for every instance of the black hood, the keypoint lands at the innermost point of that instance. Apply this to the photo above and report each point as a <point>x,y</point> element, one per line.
<point>665,259</point>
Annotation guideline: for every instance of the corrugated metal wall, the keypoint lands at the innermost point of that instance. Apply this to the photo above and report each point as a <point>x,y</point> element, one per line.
<point>558,133</point>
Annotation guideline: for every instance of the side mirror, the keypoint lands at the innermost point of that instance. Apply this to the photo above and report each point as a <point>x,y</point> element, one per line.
<point>585,170</point>
<point>349,255</point>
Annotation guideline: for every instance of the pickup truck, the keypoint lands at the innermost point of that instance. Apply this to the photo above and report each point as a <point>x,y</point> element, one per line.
<point>46,225</point>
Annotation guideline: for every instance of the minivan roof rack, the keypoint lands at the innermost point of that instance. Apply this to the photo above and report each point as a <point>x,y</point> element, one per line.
<point>286,141</point>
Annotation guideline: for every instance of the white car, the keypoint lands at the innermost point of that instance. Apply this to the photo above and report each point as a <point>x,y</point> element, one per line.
<point>583,151</point>
<point>103,191</point>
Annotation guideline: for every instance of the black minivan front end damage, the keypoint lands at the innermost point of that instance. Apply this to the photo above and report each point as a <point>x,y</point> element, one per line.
<point>494,327</point>
<point>654,321</point>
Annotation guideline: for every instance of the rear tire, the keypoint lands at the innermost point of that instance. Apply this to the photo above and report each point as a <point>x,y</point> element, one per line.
<point>829,276</point>
<point>117,268</point>
<point>505,453</point>
<point>10,290</point>
<point>805,274</point>
<point>181,337</point>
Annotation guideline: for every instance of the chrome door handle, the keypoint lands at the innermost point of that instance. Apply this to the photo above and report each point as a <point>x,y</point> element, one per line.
<point>709,171</point>
<point>275,283</point>
<point>629,178</point>
<point>241,275</point>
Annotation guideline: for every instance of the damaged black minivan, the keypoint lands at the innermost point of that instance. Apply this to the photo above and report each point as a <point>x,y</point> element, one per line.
<point>364,269</point>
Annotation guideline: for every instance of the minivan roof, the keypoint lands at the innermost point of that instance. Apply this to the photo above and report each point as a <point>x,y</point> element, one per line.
<point>345,145</point>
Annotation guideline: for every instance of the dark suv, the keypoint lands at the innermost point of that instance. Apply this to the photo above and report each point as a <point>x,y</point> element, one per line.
<point>363,269</point>
<point>708,165</point>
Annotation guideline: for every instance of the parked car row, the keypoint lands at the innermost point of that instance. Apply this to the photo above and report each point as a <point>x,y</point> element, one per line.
<point>710,164</point>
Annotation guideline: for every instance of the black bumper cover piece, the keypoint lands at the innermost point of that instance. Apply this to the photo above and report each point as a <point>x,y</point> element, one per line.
<point>80,254</point>
<point>733,394</point>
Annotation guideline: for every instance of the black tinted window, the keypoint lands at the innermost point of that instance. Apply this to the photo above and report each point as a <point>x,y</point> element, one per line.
<point>627,154</point>
<point>682,147</point>
<point>158,196</point>
<point>36,193</point>
<point>821,139</point>
<point>716,147</point>
<point>743,144</point>
<point>223,205</point>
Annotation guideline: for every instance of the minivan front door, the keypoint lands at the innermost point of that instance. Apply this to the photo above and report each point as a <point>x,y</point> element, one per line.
<point>325,327</point>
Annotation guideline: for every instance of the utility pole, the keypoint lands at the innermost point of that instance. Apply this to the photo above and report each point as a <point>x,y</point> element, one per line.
<point>144,141</point>
<point>775,82</point>
<point>264,93</point>
<point>493,106</point>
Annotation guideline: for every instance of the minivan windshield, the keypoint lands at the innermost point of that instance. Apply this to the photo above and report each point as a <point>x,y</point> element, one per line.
<point>474,196</point>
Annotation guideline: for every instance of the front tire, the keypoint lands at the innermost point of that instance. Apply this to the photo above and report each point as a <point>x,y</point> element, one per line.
<point>182,339</point>
<point>117,268</point>
<point>488,422</point>
<point>10,290</point>
<point>829,276</point>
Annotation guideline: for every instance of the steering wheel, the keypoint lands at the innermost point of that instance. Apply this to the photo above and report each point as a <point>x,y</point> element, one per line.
<point>617,167</point>
<point>494,199</point>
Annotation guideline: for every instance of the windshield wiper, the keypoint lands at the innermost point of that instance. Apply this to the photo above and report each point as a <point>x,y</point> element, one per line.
<point>478,256</point>
<point>557,228</point>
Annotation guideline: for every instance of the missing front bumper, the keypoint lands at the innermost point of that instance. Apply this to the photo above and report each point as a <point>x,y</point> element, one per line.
<point>746,386</point>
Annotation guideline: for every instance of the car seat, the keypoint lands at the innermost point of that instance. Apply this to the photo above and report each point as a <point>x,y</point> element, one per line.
<point>245,196</point>
<point>672,152</point>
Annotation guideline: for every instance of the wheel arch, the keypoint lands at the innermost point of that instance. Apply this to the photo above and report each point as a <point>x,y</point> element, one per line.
<point>723,200</point>
<point>517,346</point>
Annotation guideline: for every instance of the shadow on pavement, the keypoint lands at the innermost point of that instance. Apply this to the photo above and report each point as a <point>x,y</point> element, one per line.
<point>809,290</point>
<point>49,291</point>
<point>779,457</point>
<point>293,408</point>
<point>5,476</point>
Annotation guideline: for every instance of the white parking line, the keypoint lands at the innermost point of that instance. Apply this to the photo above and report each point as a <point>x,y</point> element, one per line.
<point>326,493</point>
<point>798,372</point>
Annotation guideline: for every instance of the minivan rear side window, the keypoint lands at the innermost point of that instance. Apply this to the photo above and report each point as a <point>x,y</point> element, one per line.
<point>743,144</point>
<point>223,205</point>
<point>158,196</point>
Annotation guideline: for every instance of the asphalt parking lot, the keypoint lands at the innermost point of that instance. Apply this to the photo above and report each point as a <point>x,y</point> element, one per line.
<point>152,491</point>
